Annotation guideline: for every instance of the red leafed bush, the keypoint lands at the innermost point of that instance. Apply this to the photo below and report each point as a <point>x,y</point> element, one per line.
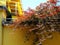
<point>42,20</point>
<point>53,1</point>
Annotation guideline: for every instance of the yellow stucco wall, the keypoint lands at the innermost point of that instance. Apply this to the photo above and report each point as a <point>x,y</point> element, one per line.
<point>16,37</point>
<point>1,13</point>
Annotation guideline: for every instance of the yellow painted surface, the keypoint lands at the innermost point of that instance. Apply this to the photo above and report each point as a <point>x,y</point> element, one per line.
<point>1,13</point>
<point>54,41</point>
<point>16,0</point>
<point>16,37</point>
<point>3,2</point>
<point>18,6</point>
<point>20,11</point>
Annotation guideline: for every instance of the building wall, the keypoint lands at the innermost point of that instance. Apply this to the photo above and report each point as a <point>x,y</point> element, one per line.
<point>14,37</point>
<point>1,13</point>
<point>17,37</point>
